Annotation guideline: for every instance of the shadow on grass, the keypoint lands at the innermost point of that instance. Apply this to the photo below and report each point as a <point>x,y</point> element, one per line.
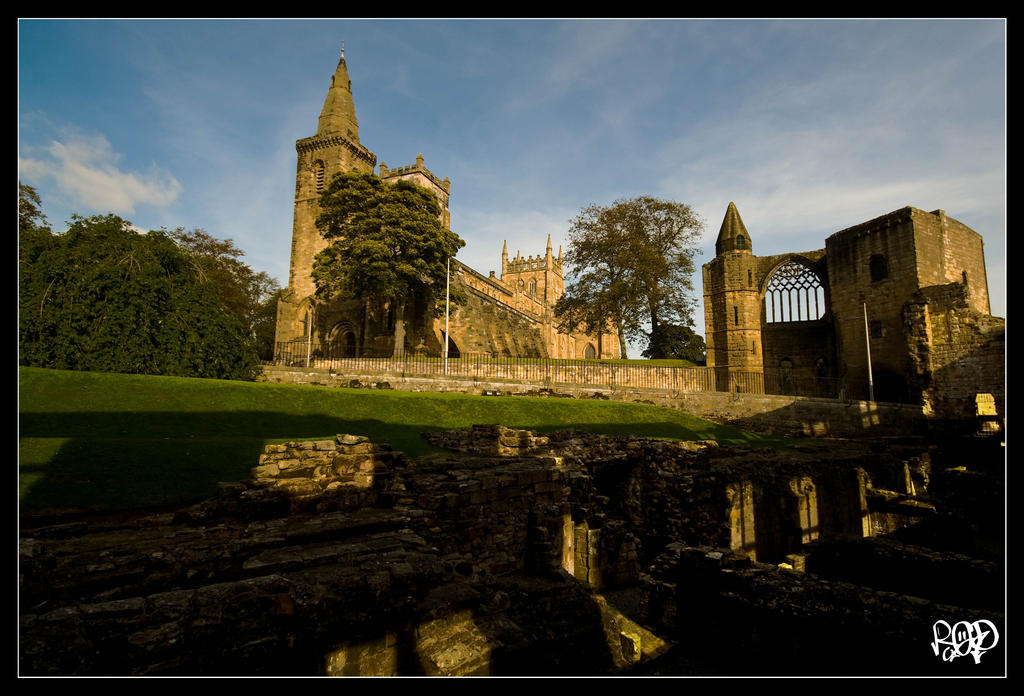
<point>108,461</point>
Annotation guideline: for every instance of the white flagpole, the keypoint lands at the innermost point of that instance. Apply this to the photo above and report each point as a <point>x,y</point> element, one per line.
<point>447,281</point>
<point>309,334</point>
<point>867,343</point>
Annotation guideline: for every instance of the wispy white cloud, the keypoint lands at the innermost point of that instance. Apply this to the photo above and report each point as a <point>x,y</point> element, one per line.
<point>85,168</point>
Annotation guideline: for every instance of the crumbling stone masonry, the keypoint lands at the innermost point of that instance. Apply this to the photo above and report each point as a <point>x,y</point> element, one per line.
<point>910,284</point>
<point>514,553</point>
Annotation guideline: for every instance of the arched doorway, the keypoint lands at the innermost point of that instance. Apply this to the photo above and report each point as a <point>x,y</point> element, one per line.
<point>343,341</point>
<point>348,345</point>
<point>590,353</point>
<point>453,349</point>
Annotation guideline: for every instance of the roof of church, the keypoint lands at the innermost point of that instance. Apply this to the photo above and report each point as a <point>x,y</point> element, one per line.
<point>339,113</point>
<point>732,227</point>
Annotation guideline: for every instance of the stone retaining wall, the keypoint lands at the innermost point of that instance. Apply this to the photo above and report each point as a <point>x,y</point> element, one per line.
<point>779,415</point>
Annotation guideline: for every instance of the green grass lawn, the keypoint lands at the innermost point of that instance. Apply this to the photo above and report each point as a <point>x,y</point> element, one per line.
<point>111,441</point>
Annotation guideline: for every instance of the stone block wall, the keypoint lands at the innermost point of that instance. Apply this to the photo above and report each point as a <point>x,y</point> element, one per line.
<point>956,352</point>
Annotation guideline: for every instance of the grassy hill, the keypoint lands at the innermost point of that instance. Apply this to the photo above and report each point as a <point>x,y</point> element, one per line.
<point>112,441</point>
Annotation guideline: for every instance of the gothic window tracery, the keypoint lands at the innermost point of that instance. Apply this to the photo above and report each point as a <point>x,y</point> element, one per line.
<point>794,293</point>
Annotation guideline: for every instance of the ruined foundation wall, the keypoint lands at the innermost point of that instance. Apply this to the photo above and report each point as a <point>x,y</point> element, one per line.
<point>782,415</point>
<point>955,352</point>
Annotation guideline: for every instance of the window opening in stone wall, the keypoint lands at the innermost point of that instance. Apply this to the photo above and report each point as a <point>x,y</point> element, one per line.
<point>318,175</point>
<point>879,268</point>
<point>533,287</point>
<point>589,353</point>
<point>741,242</point>
<point>794,293</point>
<point>750,278</point>
<point>963,275</point>
<point>736,316</point>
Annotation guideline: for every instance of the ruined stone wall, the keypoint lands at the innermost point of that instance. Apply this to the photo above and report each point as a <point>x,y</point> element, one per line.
<point>734,617</point>
<point>951,252</point>
<point>890,240</point>
<point>340,557</point>
<point>802,352</point>
<point>956,352</point>
<point>916,250</point>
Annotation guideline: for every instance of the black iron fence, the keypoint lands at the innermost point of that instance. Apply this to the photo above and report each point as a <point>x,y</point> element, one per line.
<point>551,372</point>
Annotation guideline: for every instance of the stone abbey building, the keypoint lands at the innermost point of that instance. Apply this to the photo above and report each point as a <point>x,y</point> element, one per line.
<point>510,315</point>
<point>906,291</point>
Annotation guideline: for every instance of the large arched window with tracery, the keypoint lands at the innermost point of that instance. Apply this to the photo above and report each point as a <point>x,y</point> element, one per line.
<point>794,293</point>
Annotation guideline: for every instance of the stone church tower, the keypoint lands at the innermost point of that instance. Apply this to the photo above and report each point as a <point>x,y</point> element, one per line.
<point>510,316</point>
<point>335,148</point>
<point>732,306</point>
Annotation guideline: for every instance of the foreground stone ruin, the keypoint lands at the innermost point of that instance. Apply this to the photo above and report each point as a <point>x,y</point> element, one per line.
<point>521,554</point>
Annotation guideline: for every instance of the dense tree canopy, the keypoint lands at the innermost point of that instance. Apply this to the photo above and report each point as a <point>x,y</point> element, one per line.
<point>675,341</point>
<point>632,263</point>
<point>249,295</point>
<point>30,214</point>
<point>106,298</point>
<point>386,243</point>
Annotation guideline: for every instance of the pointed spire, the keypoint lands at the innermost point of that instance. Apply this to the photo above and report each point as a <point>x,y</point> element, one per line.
<point>733,235</point>
<point>339,112</point>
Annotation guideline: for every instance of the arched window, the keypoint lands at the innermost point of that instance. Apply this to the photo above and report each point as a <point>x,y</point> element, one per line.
<point>879,268</point>
<point>533,287</point>
<point>589,353</point>
<point>741,242</point>
<point>318,176</point>
<point>794,293</point>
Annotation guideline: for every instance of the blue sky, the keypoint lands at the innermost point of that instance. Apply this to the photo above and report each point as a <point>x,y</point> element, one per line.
<point>808,126</point>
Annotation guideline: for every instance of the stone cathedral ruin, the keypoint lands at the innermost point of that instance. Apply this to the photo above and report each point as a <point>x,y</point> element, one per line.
<point>511,552</point>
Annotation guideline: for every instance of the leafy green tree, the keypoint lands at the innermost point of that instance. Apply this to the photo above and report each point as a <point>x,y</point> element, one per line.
<point>632,263</point>
<point>105,298</point>
<point>675,341</point>
<point>249,295</point>
<point>385,243</point>
<point>30,214</point>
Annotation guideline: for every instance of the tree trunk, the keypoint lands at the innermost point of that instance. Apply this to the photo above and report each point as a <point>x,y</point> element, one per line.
<point>622,338</point>
<point>399,329</point>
